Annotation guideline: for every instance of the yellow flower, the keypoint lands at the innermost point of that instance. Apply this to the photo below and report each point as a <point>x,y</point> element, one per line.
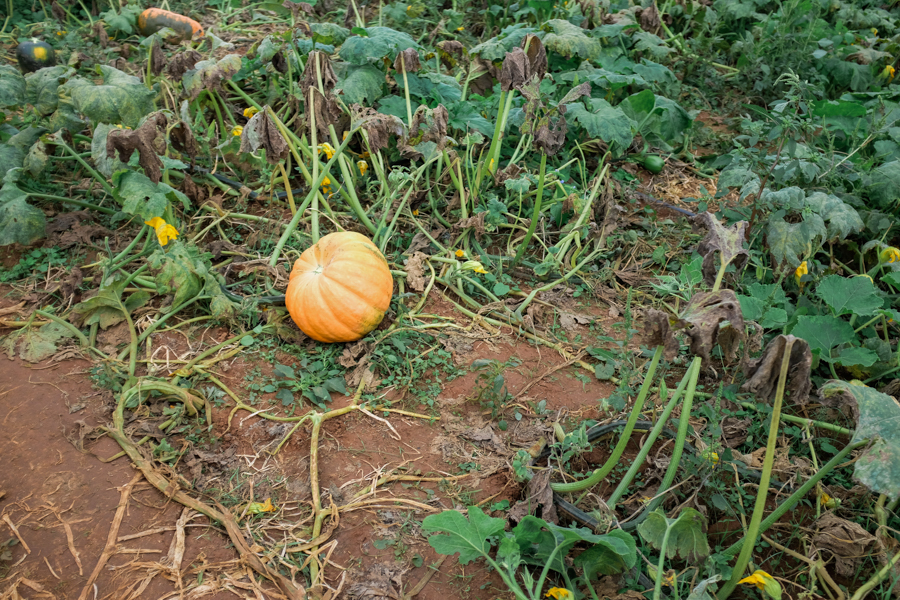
<point>327,149</point>
<point>164,231</point>
<point>61,33</point>
<point>711,456</point>
<point>326,182</point>
<point>237,131</point>
<point>254,508</point>
<point>460,254</point>
<point>416,213</point>
<point>765,582</point>
<point>249,112</point>
<point>890,255</point>
<point>363,166</point>
<point>874,31</point>
<point>364,155</point>
<point>460,28</point>
<point>480,270</point>
<point>559,594</point>
<point>408,8</point>
<point>800,272</point>
<point>888,73</point>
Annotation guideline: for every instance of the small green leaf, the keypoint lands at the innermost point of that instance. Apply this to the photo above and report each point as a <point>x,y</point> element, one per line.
<point>362,84</point>
<point>614,553</point>
<point>12,87</point>
<point>500,289</point>
<point>823,333</point>
<point>247,340</point>
<point>854,356</point>
<point>687,534</point>
<point>472,538</point>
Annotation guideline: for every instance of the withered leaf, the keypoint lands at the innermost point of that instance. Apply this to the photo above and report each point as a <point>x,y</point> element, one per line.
<point>183,62</point>
<point>407,60</point>
<point>318,64</point>
<point>540,495</point>
<point>658,332</point>
<point>428,125</point>
<point>57,11</point>
<point>650,18</point>
<point>149,140</point>
<point>261,132</point>
<point>475,222</point>
<point>450,51</point>
<point>196,193</point>
<point>183,140</point>
<point>157,58</point>
<point>848,542</point>
<point>379,127</point>
<point>102,36</point>
<point>728,241</point>
<point>415,271</point>
<point>515,71</point>
<point>763,372</point>
<point>280,62</point>
<point>705,315</point>
<point>735,431</point>
<point>537,55</point>
<point>840,399</point>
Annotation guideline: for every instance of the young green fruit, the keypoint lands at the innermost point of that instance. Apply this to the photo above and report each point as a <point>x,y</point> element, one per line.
<point>653,163</point>
<point>35,54</point>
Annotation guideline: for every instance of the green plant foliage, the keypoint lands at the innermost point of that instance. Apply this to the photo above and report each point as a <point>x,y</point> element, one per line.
<point>683,536</point>
<point>471,538</point>
<point>108,308</point>
<point>20,223</point>
<point>569,40</point>
<point>120,99</point>
<point>138,195</point>
<point>376,44</point>
<point>12,87</point>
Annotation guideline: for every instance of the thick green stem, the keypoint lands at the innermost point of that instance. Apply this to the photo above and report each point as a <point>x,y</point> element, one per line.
<point>599,474</point>
<point>71,328</point>
<point>100,179</point>
<point>657,587</point>
<point>536,214</point>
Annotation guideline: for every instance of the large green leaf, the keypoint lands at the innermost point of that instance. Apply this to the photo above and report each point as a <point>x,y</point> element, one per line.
<point>842,218</point>
<point>376,44</point>
<point>120,99</point>
<point>210,73</point>
<point>41,87</point>
<point>495,49</point>
<point>539,541</point>
<point>328,33</point>
<point>20,223</point>
<point>140,196</point>
<point>644,41</point>
<point>362,85</point>
<point>884,187</point>
<point>661,122</point>
<point>570,40</point>
<point>879,420</point>
<point>687,534</point>
<point>824,333</point>
<point>845,295</point>
<point>472,538</point>
<point>464,116</point>
<point>11,157</point>
<point>12,87</point>
<point>606,122</point>
<point>182,271</point>
<point>107,308</point>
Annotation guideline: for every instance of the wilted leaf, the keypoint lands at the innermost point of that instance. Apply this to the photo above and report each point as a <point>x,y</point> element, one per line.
<point>516,70</point>
<point>107,308</point>
<point>658,332</point>
<point>12,87</point>
<point>182,271</point>
<point>848,542</point>
<point>415,272</point>
<point>120,99</point>
<point>407,60</point>
<point>429,126</point>
<point>789,242</point>
<point>379,127</point>
<point>105,164</point>
<point>36,159</point>
<point>35,344</point>
<point>209,74</point>
<point>687,534</point>
<point>541,543</point>
<point>183,62</point>
<point>763,372</point>
<point>616,553</point>
<point>20,223</point>
<point>261,132</point>
<point>570,40</point>
<point>727,241</point>
<point>707,314</point>
<point>138,195</point>
<point>879,420</point>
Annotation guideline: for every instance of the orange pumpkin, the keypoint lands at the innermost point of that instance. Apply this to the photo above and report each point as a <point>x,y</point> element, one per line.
<point>153,19</point>
<point>340,288</point>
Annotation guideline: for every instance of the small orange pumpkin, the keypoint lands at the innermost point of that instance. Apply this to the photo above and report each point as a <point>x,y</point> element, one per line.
<point>340,288</point>
<point>153,19</point>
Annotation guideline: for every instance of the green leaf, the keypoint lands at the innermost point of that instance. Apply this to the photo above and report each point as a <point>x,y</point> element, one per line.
<point>107,308</point>
<point>12,87</point>
<point>120,99</point>
<point>393,105</point>
<point>508,554</point>
<point>20,223</point>
<point>247,340</point>
<point>606,122</point>
<point>196,80</point>
<point>846,295</point>
<point>269,47</point>
<point>687,534</point>
<point>36,160</point>
<point>379,43</point>
<point>662,122</point>
<point>472,538</point>
<point>140,196</point>
<point>570,40</point>
<point>123,21</point>
<point>329,33</point>
<point>644,41</point>
<point>464,116</point>
<point>859,357</point>
<point>11,158</point>
<point>614,553</point>
<point>495,49</point>
<point>700,592</point>
<point>362,84</point>
<point>41,87</point>
<point>823,333</point>
<point>879,420</point>
<point>884,185</point>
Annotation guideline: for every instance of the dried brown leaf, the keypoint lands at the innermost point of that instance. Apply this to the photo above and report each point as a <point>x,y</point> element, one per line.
<point>727,241</point>
<point>149,140</point>
<point>415,271</point>
<point>848,542</point>
<point>379,127</point>
<point>157,58</point>
<point>650,18</point>
<point>516,70</point>
<point>407,60</point>
<point>706,315</point>
<point>261,132</point>
<point>539,494</point>
<point>658,332</point>
<point>183,140</point>
<point>763,372</point>
<point>181,63</point>
<point>102,36</point>
<point>537,55</point>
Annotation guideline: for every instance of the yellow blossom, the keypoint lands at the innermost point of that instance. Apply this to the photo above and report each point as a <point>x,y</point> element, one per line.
<point>460,28</point>
<point>888,73</point>
<point>874,32</point>
<point>711,456</point>
<point>890,255</point>
<point>327,149</point>
<point>164,231</point>
<point>460,254</point>
<point>364,155</point>
<point>416,213</point>
<point>480,270</point>
<point>559,594</point>
<point>409,8</point>
<point>765,582</point>
<point>254,508</point>
<point>249,112</point>
<point>363,166</point>
<point>237,131</point>
<point>61,33</point>
<point>829,502</point>
<point>800,272</point>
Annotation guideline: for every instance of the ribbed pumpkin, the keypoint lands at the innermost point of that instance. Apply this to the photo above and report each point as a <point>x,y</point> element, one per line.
<point>340,288</point>
<point>153,19</point>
